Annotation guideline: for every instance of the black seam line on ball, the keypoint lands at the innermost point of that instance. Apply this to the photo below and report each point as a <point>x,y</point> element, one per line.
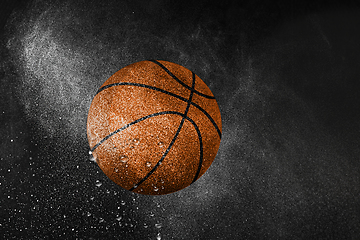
<point>172,141</point>
<point>197,130</point>
<point>166,92</point>
<point>179,81</point>
<point>142,119</point>
<point>126,126</point>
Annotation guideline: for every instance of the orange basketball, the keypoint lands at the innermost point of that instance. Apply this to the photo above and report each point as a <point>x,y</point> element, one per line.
<point>154,127</point>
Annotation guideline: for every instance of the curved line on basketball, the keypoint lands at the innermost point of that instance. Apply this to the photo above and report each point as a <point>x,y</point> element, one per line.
<point>172,141</point>
<point>158,114</point>
<point>201,154</point>
<point>166,92</point>
<point>179,81</point>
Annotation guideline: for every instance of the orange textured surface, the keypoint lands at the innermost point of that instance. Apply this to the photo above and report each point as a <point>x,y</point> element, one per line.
<point>145,134</point>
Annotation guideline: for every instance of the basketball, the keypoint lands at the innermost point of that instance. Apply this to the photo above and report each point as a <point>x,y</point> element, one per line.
<point>154,127</point>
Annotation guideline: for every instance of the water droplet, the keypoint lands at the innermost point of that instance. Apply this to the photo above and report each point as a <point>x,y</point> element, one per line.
<point>136,141</point>
<point>123,158</point>
<point>98,183</point>
<point>122,202</point>
<point>116,170</point>
<point>119,218</point>
<point>148,164</point>
<point>145,226</point>
<point>158,225</point>
<point>92,158</point>
<point>161,144</point>
<point>158,236</point>
<point>88,214</point>
<point>101,220</point>
<point>156,189</point>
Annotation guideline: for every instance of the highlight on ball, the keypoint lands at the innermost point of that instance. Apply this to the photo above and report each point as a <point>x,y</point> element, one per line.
<point>154,127</point>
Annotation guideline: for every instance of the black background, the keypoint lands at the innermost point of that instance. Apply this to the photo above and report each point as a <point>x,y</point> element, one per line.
<point>286,78</point>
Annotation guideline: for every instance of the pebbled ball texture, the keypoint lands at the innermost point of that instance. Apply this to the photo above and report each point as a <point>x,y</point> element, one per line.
<point>154,127</point>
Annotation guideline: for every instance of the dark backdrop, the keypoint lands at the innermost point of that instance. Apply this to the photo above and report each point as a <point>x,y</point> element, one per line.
<point>285,75</point>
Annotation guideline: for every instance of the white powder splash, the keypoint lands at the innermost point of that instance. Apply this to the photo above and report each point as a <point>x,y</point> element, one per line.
<point>54,89</point>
